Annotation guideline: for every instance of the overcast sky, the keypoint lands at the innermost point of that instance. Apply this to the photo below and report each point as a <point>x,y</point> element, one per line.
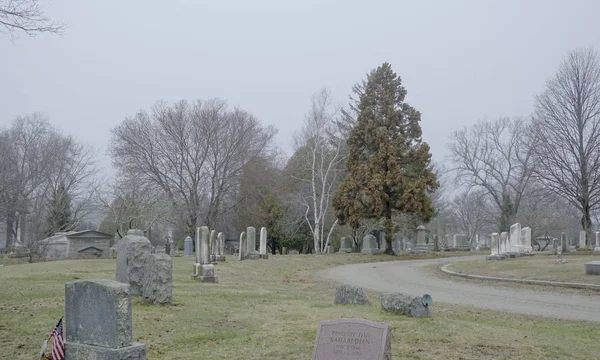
<point>461,61</point>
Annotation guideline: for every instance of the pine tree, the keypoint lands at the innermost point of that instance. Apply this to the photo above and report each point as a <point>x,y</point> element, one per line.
<point>389,166</point>
<point>60,218</point>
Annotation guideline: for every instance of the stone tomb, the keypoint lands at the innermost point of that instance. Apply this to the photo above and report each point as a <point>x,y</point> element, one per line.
<point>98,321</point>
<point>352,339</point>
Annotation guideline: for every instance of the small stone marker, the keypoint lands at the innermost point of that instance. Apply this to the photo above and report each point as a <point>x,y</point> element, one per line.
<point>346,294</point>
<point>330,249</point>
<point>98,321</point>
<point>592,268</point>
<point>352,339</point>
<point>208,274</point>
<point>158,279</point>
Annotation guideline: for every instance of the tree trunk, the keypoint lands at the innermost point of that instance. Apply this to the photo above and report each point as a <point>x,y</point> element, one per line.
<point>389,228</point>
<point>586,223</point>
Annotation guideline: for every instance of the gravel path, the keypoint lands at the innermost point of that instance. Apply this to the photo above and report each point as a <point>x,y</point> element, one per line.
<point>410,278</point>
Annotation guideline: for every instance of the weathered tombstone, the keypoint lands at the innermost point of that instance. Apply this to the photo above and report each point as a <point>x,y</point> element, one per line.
<point>526,240</point>
<point>369,245</point>
<point>582,239</point>
<point>330,249</point>
<point>212,244</point>
<point>220,247</point>
<point>514,239</point>
<point>345,245</point>
<point>448,240</point>
<point>284,250</point>
<point>133,250</point>
<point>204,245</point>
<point>495,239</point>
<point>564,244</point>
<point>208,274</point>
<point>242,251</point>
<point>503,242</point>
<point>198,263</point>
<point>352,339</point>
<point>98,321</point>
<point>188,247</point>
<point>263,244</point>
<point>158,279</point>
<point>405,304</point>
<point>346,294</point>
<point>592,267</point>
<point>251,252</point>
<point>597,248</point>
<point>421,235</point>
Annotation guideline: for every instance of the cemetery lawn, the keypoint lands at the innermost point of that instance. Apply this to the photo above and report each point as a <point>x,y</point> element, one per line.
<point>538,267</point>
<point>270,309</point>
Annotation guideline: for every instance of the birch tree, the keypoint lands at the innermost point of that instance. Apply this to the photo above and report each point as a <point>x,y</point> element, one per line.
<point>320,162</point>
<point>567,125</point>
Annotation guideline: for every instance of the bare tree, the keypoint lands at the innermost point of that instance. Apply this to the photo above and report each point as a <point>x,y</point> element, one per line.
<point>470,213</point>
<point>567,125</point>
<point>494,156</point>
<point>194,153</point>
<point>27,16</point>
<point>320,159</point>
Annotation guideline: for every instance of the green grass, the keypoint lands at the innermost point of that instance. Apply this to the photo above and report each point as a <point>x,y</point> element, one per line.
<point>539,267</point>
<point>270,309</point>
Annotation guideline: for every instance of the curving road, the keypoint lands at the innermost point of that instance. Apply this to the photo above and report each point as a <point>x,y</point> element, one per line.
<point>409,277</point>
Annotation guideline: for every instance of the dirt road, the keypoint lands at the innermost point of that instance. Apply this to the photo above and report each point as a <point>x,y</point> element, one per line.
<point>410,278</point>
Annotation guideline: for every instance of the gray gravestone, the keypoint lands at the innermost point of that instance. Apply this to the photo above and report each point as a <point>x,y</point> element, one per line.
<point>592,268</point>
<point>98,321</point>
<point>220,247</point>
<point>352,339</point>
<point>564,244</point>
<point>242,251</point>
<point>208,274</point>
<point>212,244</point>
<point>263,244</point>
<point>293,252</point>
<point>188,247</point>
<point>369,245</point>
<point>250,240</point>
<point>405,304</point>
<point>204,247</point>
<point>330,249</point>
<point>346,294</point>
<point>158,279</point>
<point>345,245</point>
<point>131,259</point>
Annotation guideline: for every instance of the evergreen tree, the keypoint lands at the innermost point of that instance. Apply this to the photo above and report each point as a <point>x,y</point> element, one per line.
<point>60,218</point>
<point>388,163</point>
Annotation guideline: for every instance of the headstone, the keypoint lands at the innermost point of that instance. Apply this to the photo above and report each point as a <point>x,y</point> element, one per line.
<point>448,240</point>
<point>98,321</point>
<point>242,253</point>
<point>515,245</point>
<point>369,245</point>
<point>582,239</point>
<point>133,250</point>
<point>397,245</point>
<point>495,243</point>
<point>220,247</point>
<point>346,294</point>
<point>188,247</point>
<point>330,249</point>
<point>408,305</point>
<point>592,268</point>
<point>597,248</point>
<point>208,274</point>
<point>251,240</point>
<point>526,240</point>
<point>204,245</point>
<point>421,235</point>
<point>284,250</point>
<point>293,252</point>
<point>345,245</point>
<point>352,339</point>
<point>212,244</point>
<point>263,244</point>
<point>158,279</point>
<point>564,244</point>
<point>503,242</point>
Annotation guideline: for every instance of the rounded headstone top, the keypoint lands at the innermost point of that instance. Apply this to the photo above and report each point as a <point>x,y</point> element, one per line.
<point>188,238</point>
<point>138,232</point>
<point>421,227</point>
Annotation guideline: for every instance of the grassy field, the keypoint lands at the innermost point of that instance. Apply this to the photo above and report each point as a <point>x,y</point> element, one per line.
<point>539,267</point>
<point>270,309</point>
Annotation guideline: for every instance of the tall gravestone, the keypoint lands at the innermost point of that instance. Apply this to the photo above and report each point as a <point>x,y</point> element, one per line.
<point>263,244</point>
<point>526,240</point>
<point>188,247</point>
<point>597,248</point>
<point>369,245</point>
<point>220,247</point>
<point>514,239</point>
<point>564,244</point>
<point>345,245</point>
<point>133,250</point>
<point>158,279</point>
<point>212,256</point>
<point>251,252</point>
<point>504,242</point>
<point>98,321</point>
<point>207,270</point>
<point>242,252</point>
<point>582,239</point>
<point>495,243</point>
<point>352,339</point>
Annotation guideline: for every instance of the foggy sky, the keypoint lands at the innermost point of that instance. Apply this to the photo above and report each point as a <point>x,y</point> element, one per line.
<point>461,61</point>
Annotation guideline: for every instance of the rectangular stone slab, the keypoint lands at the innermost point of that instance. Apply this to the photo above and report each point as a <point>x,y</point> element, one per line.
<point>352,339</point>
<point>98,312</point>
<point>74,351</point>
<point>592,267</point>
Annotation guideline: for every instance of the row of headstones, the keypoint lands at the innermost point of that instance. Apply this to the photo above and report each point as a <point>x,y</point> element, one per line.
<point>517,242</point>
<point>149,275</point>
<point>564,243</point>
<point>210,250</point>
<point>370,245</point>
<point>247,248</point>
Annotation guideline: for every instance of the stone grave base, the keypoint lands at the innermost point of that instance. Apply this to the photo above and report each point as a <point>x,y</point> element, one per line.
<point>76,351</point>
<point>418,251</point>
<point>592,268</point>
<point>344,251</point>
<point>264,256</point>
<point>495,257</point>
<point>220,258</point>
<point>208,279</point>
<point>251,257</point>
<point>464,248</point>
<point>371,251</point>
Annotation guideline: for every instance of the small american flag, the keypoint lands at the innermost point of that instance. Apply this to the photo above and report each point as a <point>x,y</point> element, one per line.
<point>58,342</point>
